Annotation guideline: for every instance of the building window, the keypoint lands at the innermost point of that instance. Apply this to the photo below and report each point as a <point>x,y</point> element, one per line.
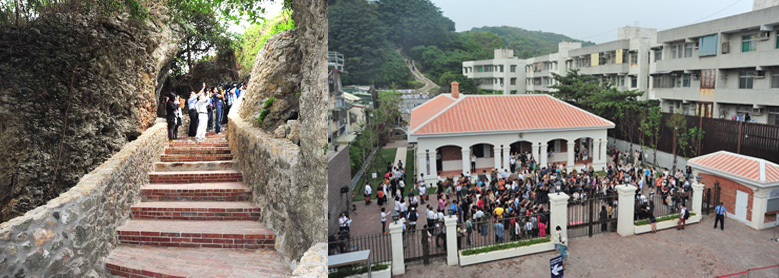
<point>686,81</point>
<point>708,46</point>
<point>746,79</point>
<point>676,51</point>
<point>775,80</point>
<point>670,108</point>
<point>513,81</point>
<point>748,43</point>
<point>688,50</point>
<point>513,68</point>
<point>633,58</point>
<point>501,68</point>
<point>622,82</point>
<point>658,55</point>
<point>633,82</point>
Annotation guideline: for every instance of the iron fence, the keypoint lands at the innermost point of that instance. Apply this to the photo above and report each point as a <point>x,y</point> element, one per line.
<point>379,244</point>
<point>485,233</point>
<point>662,204</point>
<point>591,215</point>
<point>419,241</point>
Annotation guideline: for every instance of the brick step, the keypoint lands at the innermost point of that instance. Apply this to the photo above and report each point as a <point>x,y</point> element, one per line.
<point>195,176</point>
<point>196,210</point>
<point>195,157</point>
<point>152,261</point>
<point>207,143</point>
<point>193,165</point>
<point>217,191</point>
<point>197,150</point>
<point>196,234</point>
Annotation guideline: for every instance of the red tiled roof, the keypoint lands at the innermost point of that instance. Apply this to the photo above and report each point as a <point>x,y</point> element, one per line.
<point>472,113</point>
<point>756,170</point>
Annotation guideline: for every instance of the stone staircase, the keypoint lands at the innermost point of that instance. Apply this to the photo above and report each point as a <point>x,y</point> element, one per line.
<point>196,219</point>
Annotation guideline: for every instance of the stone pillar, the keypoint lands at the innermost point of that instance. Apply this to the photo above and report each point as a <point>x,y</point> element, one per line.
<point>558,214</point>
<point>759,205</point>
<point>697,197</point>
<point>433,167</point>
<point>450,222</point>
<point>496,151</point>
<point>535,150</point>
<point>569,164</point>
<point>466,159</point>
<point>599,161</point>
<point>625,209</point>
<point>506,154</point>
<point>396,240</point>
<point>421,165</point>
<point>543,159</point>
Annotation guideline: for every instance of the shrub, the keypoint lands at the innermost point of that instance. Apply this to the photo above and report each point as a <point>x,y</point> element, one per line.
<point>349,271</point>
<point>643,222</point>
<point>505,246</point>
<point>266,108</point>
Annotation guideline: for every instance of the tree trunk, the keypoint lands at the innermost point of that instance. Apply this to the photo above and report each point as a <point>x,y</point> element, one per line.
<point>673,149</point>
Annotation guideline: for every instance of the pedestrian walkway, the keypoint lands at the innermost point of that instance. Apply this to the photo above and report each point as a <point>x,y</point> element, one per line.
<point>400,155</point>
<point>196,219</point>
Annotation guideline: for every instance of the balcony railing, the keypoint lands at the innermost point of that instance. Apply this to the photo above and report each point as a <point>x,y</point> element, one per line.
<point>335,60</point>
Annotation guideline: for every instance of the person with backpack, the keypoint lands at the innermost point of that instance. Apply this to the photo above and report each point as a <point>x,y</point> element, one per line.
<point>683,216</point>
<point>412,219</point>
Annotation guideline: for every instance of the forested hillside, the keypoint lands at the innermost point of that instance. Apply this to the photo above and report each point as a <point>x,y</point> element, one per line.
<point>369,33</point>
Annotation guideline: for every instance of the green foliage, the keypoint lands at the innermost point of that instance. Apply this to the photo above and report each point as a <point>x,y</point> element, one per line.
<point>643,222</point>
<point>256,35</point>
<point>467,85</point>
<point>587,92</point>
<point>355,270</point>
<point>650,127</point>
<point>504,246</point>
<point>266,108</point>
<point>526,43</point>
<point>415,22</point>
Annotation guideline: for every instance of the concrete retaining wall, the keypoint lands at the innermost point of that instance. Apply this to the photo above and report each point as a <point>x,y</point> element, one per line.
<point>664,159</point>
<point>72,234</point>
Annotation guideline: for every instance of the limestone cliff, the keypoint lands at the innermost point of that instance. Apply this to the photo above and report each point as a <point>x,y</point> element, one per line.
<point>73,90</point>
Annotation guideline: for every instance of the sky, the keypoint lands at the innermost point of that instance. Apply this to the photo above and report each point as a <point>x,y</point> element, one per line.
<point>590,20</point>
<point>271,10</point>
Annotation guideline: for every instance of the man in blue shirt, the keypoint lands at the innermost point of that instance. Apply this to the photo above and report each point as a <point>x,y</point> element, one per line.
<point>218,102</point>
<point>720,210</point>
<point>498,231</point>
<point>191,102</point>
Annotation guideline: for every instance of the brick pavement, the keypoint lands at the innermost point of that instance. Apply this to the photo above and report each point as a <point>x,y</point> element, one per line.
<point>698,251</point>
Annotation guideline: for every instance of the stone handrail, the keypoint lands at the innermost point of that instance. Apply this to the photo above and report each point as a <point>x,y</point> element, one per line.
<point>73,234</point>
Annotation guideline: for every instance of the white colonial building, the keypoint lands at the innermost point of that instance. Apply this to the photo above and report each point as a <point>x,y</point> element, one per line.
<point>449,128</point>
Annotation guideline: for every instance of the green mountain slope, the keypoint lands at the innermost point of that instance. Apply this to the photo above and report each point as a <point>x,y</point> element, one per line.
<point>528,43</point>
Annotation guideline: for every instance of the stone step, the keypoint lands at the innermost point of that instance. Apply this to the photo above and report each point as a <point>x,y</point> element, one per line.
<point>196,234</point>
<point>217,191</point>
<point>193,165</point>
<point>195,157</point>
<point>152,261</point>
<point>196,176</point>
<point>197,150</point>
<point>196,210</point>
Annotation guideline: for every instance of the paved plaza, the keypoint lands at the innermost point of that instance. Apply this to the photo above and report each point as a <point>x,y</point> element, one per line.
<point>698,251</point>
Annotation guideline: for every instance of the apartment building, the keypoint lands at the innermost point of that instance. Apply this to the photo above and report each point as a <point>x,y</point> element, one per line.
<point>504,73</point>
<point>723,68</point>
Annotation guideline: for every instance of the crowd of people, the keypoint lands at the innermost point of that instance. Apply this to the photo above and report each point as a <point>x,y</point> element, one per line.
<point>513,204</point>
<point>207,109</point>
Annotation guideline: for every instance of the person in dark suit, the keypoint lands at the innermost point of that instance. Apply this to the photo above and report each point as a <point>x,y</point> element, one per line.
<point>603,216</point>
<point>170,115</point>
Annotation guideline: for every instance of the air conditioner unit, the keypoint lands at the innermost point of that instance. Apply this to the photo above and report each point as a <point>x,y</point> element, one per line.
<point>695,77</point>
<point>723,113</point>
<point>757,111</point>
<point>726,47</point>
<point>760,74</point>
<point>762,36</point>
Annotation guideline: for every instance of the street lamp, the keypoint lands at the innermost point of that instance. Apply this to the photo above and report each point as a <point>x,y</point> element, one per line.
<point>698,178</point>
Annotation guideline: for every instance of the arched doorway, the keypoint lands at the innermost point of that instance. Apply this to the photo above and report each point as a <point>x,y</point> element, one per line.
<point>557,151</point>
<point>583,150</point>
<point>448,160</point>
<point>484,155</point>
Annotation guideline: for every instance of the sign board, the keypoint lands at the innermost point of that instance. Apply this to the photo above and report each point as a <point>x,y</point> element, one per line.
<point>373,175</point>
<point>556,267</point>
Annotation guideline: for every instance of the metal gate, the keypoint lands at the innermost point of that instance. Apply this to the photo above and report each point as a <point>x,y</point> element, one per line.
<point>584,216</point>
<point>413,246</point>
<point>711,198</point>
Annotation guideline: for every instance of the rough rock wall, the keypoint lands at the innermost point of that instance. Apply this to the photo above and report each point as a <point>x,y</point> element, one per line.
<point>289,181</point>
<point>94,78</point>
<point>73,234</point>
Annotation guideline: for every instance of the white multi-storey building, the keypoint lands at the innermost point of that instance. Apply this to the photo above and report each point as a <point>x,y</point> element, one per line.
<point>722,68</point>
<point>504,73</point>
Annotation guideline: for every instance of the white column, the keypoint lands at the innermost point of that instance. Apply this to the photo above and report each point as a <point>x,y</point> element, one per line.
<point>697,197</point>
<point>569,164</point>
<point>496,151</point>
<point>506,154</point>
<point>466,159</point>
<point>543,159</point>
<point>421,164</point>
<point>450,222</point>
<point>558,213</point>
<point>535,149</point>
<point>433,164</point>
<point>599,161</point>
<point>759,204</point>
<point>625,210</point>
<point>396,240</point>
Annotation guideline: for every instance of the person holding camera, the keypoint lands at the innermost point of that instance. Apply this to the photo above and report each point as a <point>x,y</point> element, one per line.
<point>210,107</point>
<point>193,115</point>
<point>218,102</point>
<point>202,111</point>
